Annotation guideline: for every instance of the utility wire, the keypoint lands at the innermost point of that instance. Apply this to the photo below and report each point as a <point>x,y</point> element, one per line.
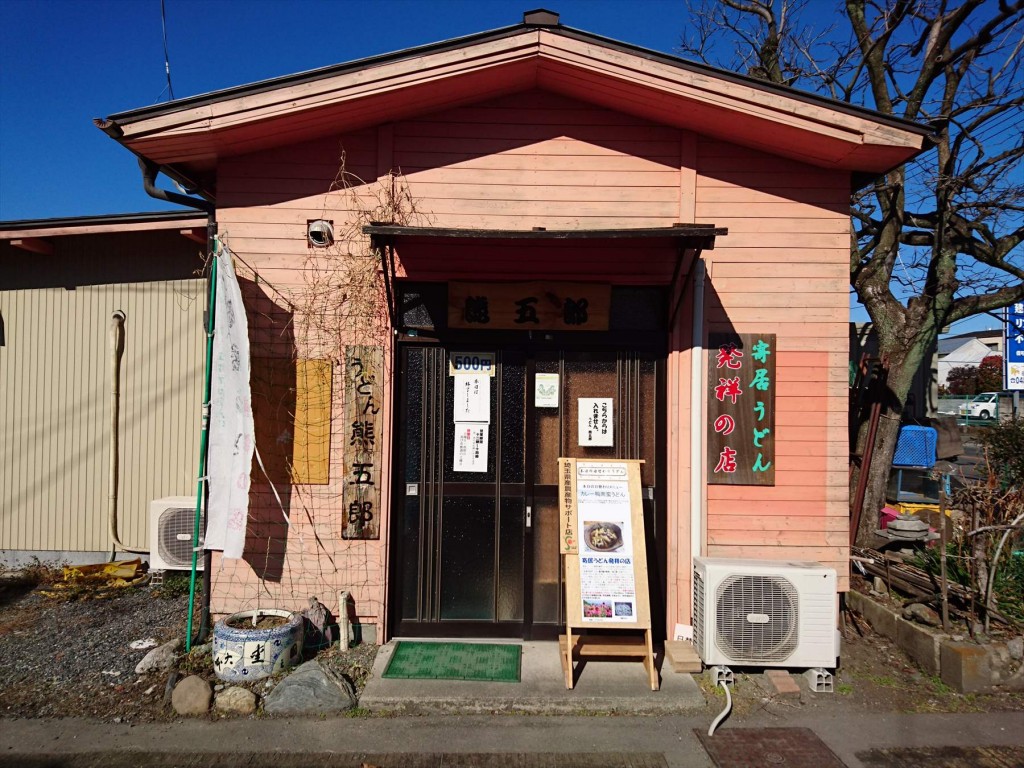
<point>167,58</point>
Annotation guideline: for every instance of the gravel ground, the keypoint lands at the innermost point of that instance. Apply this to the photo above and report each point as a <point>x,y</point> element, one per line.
<point>66,657</point>
<point>72,657</point>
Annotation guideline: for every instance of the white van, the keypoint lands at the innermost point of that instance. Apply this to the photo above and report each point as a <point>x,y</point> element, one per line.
<point>983,406</point>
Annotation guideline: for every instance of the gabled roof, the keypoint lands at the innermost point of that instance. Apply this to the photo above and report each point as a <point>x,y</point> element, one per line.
<point>951,344</point>
<point>189,136</point>
<point>112,222</point>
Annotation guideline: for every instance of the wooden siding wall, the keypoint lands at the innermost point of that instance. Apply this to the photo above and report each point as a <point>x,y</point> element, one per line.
<point>784,269</point>
<point>516,162</point>
<point>540,160</point>
<point>265,201</point>
<point>55,391</point>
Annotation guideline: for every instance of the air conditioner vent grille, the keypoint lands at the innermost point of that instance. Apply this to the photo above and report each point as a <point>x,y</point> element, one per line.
<point>698,609</point>
<point>757,618</point>
<point>174,537</point>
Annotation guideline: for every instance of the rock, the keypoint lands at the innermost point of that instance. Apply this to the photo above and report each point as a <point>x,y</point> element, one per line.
<point>172,680</point>
<point>922,614</point>
<point>159,659</point>
<point>310,690</point>
<point>1016,648</point>
<point>878,585</point>
<point>191,696</point>
<point>1000,654</point>
<point>141,645</point>
<point>235,701</point>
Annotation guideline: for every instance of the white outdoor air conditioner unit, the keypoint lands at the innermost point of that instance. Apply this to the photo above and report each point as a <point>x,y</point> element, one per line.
<point>170,533</point>
<point>765,613</point>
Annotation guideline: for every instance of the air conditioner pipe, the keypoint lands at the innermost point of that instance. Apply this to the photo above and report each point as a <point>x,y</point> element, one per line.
<point>116,353</point>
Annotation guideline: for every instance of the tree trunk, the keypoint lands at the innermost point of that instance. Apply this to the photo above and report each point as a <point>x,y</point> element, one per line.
<point>903,363</point>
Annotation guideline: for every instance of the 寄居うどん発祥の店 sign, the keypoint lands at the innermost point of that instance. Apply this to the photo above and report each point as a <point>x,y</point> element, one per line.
<point>741,409</point>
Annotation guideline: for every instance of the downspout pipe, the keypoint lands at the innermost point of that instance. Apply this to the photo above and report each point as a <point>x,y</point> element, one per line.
<point>113,470</point>
<point>149,174</point>
<point>696,414</point>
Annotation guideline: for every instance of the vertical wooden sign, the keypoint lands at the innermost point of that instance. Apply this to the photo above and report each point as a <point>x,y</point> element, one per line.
<point>567,506</point>
<point>364,376</point>
<point>741,409</point>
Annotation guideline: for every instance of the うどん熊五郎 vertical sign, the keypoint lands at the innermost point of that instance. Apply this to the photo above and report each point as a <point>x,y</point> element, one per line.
<point>364,393</point>
<point>741,409</point>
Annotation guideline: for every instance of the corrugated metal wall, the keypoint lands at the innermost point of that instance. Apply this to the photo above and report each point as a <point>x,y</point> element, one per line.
<point>55,409</point>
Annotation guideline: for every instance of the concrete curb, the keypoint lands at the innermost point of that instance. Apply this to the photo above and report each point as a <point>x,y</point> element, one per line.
<point>966,667</point>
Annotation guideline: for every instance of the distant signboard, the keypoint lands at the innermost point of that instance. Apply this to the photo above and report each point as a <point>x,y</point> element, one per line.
<point>1013,356</point>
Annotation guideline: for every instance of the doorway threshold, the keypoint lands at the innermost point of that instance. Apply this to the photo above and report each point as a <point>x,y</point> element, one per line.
<point>602,687</point>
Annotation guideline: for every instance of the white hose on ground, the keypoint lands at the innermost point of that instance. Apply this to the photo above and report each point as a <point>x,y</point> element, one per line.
<point>116,351</point>
<point>722,715</point>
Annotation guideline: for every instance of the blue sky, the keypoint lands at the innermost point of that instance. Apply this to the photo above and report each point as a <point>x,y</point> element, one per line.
<point>65,62</point>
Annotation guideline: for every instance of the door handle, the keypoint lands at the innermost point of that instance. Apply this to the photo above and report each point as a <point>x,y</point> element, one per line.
<point>529,516</point>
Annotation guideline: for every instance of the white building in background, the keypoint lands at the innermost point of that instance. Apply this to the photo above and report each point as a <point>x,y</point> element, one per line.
<point>960,351</point>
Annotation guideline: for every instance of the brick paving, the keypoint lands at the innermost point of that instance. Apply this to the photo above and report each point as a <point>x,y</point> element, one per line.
<point>768,748</point>
<point>339,760</point>
<point>944,757</point>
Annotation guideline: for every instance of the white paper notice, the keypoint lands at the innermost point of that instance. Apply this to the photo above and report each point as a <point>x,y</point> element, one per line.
<point>596,420</point>
<point>472,398</point>
<point>470,447</point>
<point>545,390</point>
<point>607,580</point>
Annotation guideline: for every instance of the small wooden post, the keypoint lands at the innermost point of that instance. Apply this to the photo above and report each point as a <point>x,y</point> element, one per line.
<point>944,583</point>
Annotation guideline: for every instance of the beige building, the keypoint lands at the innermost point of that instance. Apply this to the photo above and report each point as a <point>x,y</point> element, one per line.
<point>61,281</point>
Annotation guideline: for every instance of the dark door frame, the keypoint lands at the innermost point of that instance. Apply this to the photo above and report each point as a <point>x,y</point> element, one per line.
<point>529,344</point>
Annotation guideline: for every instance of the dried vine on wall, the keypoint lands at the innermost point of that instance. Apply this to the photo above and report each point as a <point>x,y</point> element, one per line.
<point>340,303</point>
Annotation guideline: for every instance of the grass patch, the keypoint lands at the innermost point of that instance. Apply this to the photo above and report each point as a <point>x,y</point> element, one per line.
<point>175,585</point>
<point>883,681</point>
<point>939,687</point>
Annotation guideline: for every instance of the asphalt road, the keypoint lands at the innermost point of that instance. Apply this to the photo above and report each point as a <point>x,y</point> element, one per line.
<point>523,741</point>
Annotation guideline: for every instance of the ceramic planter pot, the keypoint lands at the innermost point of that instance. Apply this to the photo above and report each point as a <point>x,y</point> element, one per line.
<point>248,653</point>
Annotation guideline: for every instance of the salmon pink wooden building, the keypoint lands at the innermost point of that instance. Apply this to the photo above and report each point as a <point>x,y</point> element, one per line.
<point>451,254</point>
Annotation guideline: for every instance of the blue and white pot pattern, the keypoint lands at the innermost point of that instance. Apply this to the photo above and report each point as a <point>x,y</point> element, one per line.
<point>252,654</point>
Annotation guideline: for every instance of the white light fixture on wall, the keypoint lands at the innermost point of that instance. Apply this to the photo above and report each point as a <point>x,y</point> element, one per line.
<point>320,233</point>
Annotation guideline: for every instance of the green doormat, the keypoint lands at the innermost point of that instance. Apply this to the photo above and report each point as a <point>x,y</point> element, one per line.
<point>455,661</point>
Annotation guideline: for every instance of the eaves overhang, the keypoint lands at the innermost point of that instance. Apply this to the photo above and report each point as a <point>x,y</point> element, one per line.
<point>681,243</point>
<point>103,224</point>
<point>190,135</point>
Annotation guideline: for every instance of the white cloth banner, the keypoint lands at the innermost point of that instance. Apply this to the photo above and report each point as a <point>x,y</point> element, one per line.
<point>232,433</point>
